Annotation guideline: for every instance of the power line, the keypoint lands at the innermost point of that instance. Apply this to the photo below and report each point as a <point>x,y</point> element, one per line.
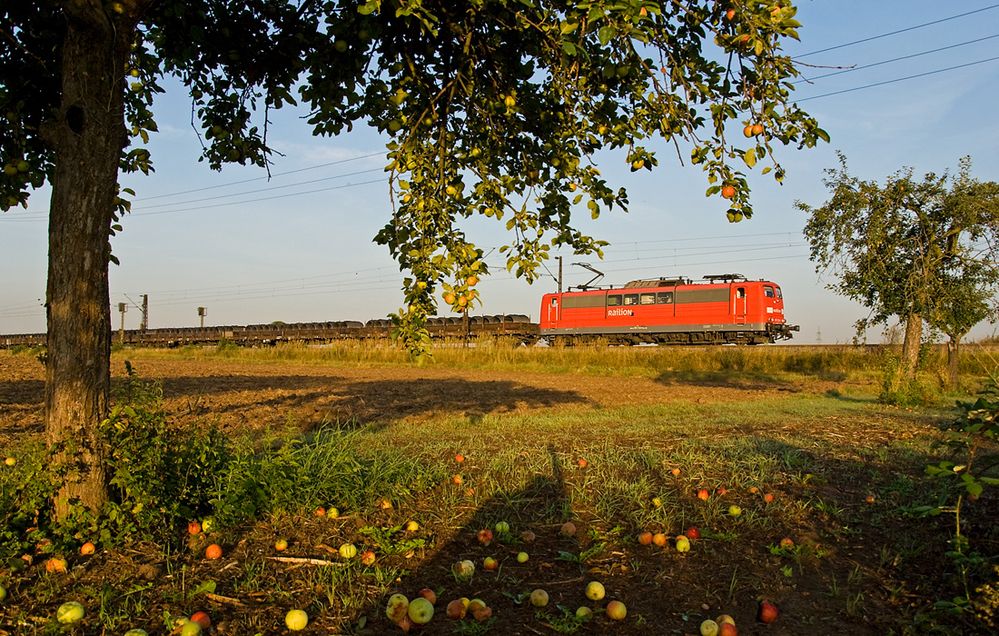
<point>895,59</point>
<point>897,79</point>
<point>905,30</point>
<point>274,174</point>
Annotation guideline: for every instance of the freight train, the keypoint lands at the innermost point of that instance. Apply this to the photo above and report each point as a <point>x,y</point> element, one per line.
<point>720,309</point>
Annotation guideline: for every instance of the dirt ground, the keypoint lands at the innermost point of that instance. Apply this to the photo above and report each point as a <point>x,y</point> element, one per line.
<point>254,396</point>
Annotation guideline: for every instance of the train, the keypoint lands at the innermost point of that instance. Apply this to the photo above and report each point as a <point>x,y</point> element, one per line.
<point>719,309</point>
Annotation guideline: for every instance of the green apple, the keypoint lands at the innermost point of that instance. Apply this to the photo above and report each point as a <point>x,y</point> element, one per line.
<point>595,590</point>
<point>3,593</point>
<point>682,543</point>
<point>348,550</point>
<point>420,610</point>
<point>583,612</point>
<point>522,557</point>
<point>397,607</point>
<point>190,628</point>
<point>502,527</point>
<point>709,628</point>
<point>296,620</point>
<point>69,612</point>
<point>136,632</point>
<point>539,598</point>
<point>734,510</point>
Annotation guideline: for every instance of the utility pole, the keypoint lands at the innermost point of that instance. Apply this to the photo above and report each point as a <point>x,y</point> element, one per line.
<point>202,312</point>
<point>560,274</point>
<point>121,326</point>
<point>145,314</point>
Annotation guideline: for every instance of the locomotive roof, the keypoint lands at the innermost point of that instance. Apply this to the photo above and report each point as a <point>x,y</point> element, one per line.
<point>668,281</point>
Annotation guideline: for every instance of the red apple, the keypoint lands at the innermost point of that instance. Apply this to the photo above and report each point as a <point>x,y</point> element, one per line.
<point>703,494</point>
<point>428,594</point>
<point>693,533</point>
<point>456,609</point>
<point>489,563</point>
<point>645,538</point>
<point>193,527</point>
<point>485,536</point>
<point>768,612</point>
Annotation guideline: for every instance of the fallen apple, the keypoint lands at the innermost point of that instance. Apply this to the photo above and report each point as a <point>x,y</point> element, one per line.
<point>502,527</point>
<point>459,458</point>
<point>709,628</point>
<point>568,529</point>
<point>528,536</point>
<point>522,557</point>
<point>56,565</point>
<point>482,613</point>
<point>616,611</point>
<point>368,557</point>
<point>675,472</point>
<point>645,538</point>
<point>734,510</point>
<point>69,612</point>
<point>320,511</point>
<point>428,594</point>
<point>539,598</point>
<point>281,545</point>
<point>474,605</point>
<point>787,543</point>
<point>456,609</point>
<point>724,619</point>
<point>190,628</point>
<point>657,502</point>
<point>213,552</point>
<point>87,548</point>
<point>489,564</point>
<point>208,524</point>
<point>682,543</point>
<point>412,526</point>
<point>485,536</point>
<point>396,607</point>
<point>135,631</point>
<point>727,629</point>
<point>193,527</point>
<point>703,494</point>
<point>348,550</point>
<point>582,463</point>
<point>3,593</point>
<point>332,513</point>
<point>595,590</point>
<point>463,570</point>
<point>583,612</point>
<point>10,461</point>
<point>420,611</point>
<point>693,533</point>
<point>457,480</point>
<point>202,618</point>
<point>768,498</point>
<point>296,620</point>
<point>660,539</point>
<point>768,612</point>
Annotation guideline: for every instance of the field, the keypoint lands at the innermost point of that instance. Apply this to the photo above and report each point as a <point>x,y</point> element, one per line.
<point>828,486</point>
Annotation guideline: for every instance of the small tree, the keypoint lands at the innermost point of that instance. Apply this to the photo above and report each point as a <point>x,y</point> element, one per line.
<point>898,248</point>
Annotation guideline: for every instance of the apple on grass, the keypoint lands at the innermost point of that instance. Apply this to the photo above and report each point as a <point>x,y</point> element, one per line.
<point>397,607</point>
<point>485,536</point>
<point>682,543</point>
<point>502,527</point>
<point>428,594</point>
<point>709,628</point>
<point>522,557</point>
<point>296,620</point>
<point>489,564</point>
<point>69,612</point>
<point>457,609</point>
<point>190,628</point>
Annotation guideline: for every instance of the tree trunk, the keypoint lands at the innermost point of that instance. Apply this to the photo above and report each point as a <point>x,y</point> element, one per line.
<point>910,346</point>
<point>87,137</point>
<point>952,359</point>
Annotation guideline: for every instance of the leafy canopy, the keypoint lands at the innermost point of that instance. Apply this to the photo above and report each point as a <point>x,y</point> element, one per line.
<point>492,107</point>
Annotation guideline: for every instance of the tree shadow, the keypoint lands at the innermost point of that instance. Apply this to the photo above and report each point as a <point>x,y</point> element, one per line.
<point>745,380</point>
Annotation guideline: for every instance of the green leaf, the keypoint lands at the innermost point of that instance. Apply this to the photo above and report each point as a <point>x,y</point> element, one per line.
<point>606,34</point>
<point>569,27</point>
<point>750,157</point>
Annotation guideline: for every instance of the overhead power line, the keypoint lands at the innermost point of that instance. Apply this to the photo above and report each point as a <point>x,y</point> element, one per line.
<point>898,79</point>
<point>890,33</point>
<point>894,59</point>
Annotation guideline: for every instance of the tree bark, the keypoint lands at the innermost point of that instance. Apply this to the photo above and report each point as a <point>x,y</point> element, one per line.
<point>910,346</point>
<point>87,137</point>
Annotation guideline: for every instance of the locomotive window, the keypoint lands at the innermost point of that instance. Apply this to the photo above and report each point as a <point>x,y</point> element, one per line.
<point>664,298</point>
<point>769,291</point>
<point>648,299</point>
<point>613,300</point>
<point>779,295</point>
<point>631,299</point>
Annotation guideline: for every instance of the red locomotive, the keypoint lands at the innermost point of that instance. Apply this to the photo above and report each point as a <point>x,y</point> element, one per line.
<point>724,308</point>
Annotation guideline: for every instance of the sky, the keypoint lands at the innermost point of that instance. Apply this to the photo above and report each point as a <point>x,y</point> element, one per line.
<point>299,248</point>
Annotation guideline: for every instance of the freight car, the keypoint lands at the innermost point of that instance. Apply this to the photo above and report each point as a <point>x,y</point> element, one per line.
<point>721,309</point>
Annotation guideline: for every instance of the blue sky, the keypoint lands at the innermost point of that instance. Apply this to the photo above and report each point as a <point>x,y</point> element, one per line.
<point>257,250</point>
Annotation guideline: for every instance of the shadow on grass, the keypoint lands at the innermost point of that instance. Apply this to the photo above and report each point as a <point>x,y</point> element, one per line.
<point>745,380</point>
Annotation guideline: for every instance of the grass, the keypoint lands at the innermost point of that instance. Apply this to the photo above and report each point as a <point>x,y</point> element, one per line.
<point>868,567</point>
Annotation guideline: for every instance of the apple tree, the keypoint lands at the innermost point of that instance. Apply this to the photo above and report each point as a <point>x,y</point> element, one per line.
<point>909,249</point>
<point>490,107</point>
